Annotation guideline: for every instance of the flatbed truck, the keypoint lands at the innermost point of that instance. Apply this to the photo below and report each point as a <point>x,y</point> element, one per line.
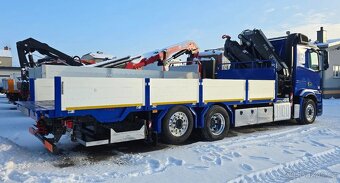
<point>11,87</point>
<point>277,79</point>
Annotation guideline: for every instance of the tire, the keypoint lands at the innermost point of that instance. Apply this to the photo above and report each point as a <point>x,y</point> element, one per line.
<point>177,125</point>
<point>216,124</point>
<point>308,114</point>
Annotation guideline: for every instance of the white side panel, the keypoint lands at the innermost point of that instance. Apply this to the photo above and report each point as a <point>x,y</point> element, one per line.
<point>44,89</point>
<point>223,90</point>
<point>261,89</point>
<point>96,93</point>
<point>244,117</point>
<point>282,111</point>
<point>173,91</point>
<point>127,136</point>
<point>264,114</point>
<point>93,143</point>
<point>296,110</point>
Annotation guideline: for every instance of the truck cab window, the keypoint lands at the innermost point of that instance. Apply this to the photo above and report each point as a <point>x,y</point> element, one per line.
<point>313,61</point>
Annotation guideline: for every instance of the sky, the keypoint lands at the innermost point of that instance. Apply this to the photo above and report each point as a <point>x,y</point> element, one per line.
<point>132,27</point>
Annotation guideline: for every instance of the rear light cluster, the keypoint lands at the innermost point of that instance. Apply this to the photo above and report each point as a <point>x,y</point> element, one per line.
<point>68,124</point>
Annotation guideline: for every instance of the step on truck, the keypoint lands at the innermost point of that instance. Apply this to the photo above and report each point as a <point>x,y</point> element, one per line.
<point>256,80</point>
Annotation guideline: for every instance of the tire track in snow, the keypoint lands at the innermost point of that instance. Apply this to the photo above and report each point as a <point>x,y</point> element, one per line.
<point>218,152</point>
<point>307,166</point>
<point>155,166</point>
<point>260,137</point>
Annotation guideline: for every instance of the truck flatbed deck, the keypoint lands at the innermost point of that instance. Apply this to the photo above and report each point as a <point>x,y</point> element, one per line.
<point>47,105</point>
<point>32,108</point>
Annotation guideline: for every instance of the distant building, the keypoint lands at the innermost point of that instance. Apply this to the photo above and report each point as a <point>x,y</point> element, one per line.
<point>5,57</point>
<point>6,72</point>
<point>6,69</point>
<point>97,57</point>
<point>331,77</point>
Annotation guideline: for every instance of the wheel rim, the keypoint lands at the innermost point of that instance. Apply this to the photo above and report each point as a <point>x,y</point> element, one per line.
<point>310,112</point>
<point>178,124</point>
<point>217,124</point>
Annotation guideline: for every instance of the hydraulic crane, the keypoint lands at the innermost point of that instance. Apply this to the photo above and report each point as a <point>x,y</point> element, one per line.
<point>27,47</point>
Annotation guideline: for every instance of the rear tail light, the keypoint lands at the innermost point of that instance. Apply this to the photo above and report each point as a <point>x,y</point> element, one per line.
<point>68,124</point>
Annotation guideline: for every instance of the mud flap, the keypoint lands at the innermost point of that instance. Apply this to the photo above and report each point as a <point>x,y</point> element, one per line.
<point>50,146</point>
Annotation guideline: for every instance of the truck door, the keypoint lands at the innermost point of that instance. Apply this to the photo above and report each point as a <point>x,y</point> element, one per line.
<point>308,70</point>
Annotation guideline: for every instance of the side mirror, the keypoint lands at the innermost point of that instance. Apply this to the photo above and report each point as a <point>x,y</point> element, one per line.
<point>324,55</point>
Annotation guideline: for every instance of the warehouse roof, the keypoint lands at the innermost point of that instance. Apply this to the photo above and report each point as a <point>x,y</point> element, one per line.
<point>330,43</point>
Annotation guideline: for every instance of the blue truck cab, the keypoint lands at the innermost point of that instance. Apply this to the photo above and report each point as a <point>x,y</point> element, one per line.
<point>307,64</point>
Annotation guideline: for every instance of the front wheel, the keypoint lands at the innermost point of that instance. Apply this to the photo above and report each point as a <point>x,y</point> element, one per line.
<point>308,114</point>
<point>216,124</point>
<point>177,125</point>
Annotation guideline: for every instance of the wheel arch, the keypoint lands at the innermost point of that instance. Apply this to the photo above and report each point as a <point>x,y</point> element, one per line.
<point>307,93</point>
<point>311,96</point>
<point>302,118</point>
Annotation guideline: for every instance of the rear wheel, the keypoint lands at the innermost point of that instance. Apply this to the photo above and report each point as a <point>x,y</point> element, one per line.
<point>177,125</point>
<point>216,124</point>
<point>308,114</point>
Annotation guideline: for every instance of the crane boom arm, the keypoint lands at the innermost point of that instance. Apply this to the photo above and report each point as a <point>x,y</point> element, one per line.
<point>28,46</point>
<point>31,45</point>
<point>163,56</point>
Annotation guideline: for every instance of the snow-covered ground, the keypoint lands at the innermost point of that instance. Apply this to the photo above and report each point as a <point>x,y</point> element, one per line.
<point>276,152</point>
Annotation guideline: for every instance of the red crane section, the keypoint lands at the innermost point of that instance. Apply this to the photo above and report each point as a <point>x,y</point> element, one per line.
<point>164,56</point>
